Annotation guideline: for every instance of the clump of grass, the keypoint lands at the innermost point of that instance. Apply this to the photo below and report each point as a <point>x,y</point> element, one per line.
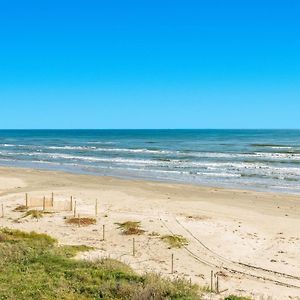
<point>33,266</point>
<point>71,251</point>
<point>21,208</point>
<point>175,241</point>
<point>2,237</point>
<point>131,228</point>
<point>14,236</point>
<point>153,233</point>
<point>81,221</point>
<point>34,213</point>
<point>233,297</point>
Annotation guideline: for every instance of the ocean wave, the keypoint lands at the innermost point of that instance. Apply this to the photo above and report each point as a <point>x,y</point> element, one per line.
<point>271,145</point>
<point>281,147</point>
<point>254,155</point>
<point>11,145</point>
<point>94,148</point>
<point>17,145</point>
<point>90,158</point>
<point>101,143</point>
<point>171,154</point>
<point>291,156</point>
<point>70,148</point>
<point>218,174</point>
<point>141,150</point>
<point>234,167</point>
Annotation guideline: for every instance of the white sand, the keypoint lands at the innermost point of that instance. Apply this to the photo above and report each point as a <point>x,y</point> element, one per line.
<point>224,228</point>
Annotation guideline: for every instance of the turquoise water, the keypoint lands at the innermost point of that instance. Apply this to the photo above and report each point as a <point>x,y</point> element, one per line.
<point>266,160</point>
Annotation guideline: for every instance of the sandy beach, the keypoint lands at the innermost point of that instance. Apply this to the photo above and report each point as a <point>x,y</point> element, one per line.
<point>249,239</point>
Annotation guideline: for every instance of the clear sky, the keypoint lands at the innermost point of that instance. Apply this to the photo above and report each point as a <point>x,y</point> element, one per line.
<point>150,64</point>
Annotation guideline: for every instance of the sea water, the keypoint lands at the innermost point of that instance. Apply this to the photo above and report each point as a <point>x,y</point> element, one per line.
<point>264,160</point>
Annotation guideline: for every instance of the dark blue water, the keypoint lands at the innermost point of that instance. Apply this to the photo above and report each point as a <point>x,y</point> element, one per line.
<point>252,159</point>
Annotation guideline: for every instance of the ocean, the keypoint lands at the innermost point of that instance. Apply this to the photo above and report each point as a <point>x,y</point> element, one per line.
<point>263,160</point>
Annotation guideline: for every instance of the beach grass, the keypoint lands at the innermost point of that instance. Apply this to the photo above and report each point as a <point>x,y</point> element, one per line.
<point>20,208</point>
<point>232,297</point>
<point>33,266</point>
<point>131,228</point>
<point>34,213</point>
<point>175,241</point>
<point>82,221</point>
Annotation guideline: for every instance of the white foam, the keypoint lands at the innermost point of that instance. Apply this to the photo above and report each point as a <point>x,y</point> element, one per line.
<point>70,148</point>
<point>281,147</point>
<point>93,148</point>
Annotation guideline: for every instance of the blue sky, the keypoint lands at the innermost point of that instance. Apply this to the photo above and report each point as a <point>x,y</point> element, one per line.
<point>149,64</point>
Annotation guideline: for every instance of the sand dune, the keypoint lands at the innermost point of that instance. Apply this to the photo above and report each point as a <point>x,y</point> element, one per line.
<point>251,240</point>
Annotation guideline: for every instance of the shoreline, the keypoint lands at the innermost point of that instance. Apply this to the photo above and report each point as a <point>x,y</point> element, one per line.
<point>79,172</point>
<point>249,238</point>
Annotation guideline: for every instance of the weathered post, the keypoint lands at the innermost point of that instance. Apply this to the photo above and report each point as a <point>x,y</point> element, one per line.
<point>96,208</point>
<point>133,246</point>
<point>75,208</point>
<point>217,284</point>
<point>172,264</point>
<point>44,203</point>
<point>103,232</point>
<point>71,203</point>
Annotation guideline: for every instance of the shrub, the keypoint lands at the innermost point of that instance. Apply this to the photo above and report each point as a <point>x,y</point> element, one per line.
<point>175,241</point>
<point>35,214</point>
<point>81,221</point>
<point>130,228</point>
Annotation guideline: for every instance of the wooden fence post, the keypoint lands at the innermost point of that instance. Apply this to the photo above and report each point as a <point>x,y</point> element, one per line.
<point>172,264</point>
<point>96,208</point>
<point>211,281</point>
<point>133,246</point>
<point>44,203</point>
<point>26,200</point>
<point>103,232</point>
<point>217,284</point>
<point>2,207</point>
<point>52,199</point>
<point>71,203</point>
<point>75,208</point>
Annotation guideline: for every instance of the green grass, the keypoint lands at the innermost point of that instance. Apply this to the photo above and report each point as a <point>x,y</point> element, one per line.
<point>175,241</point>
<point>33,266</point>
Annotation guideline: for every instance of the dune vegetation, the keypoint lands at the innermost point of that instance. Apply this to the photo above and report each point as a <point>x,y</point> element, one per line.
<point>33,266</point>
